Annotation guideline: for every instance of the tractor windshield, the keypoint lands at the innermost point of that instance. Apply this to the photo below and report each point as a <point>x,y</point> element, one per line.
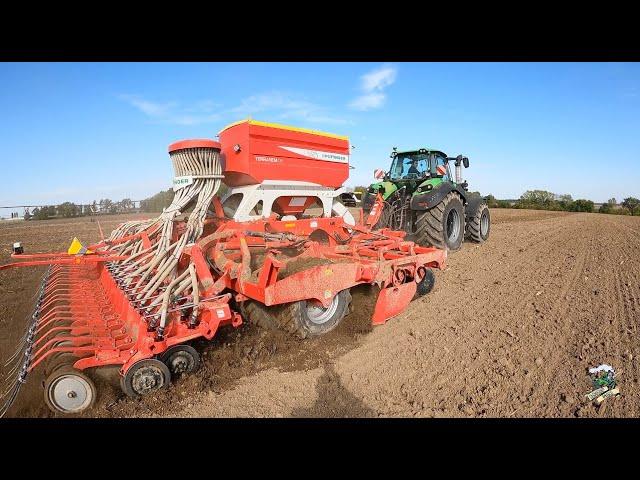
<point>410,165</point>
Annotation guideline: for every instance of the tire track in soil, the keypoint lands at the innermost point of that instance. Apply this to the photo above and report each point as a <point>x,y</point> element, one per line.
<point>474,326</point>
<point>502,380</point>
<point>627,285</point>
<point>598,332</point>
<point>551,378</point>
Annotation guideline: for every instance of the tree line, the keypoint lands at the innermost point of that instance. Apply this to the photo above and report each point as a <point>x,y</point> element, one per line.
<point>544,200</point>
<point>154,204</point>
<point>70,209</point>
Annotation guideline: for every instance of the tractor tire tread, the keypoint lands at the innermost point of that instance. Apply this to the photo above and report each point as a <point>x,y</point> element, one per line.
<point>430,224</point>
<point>472,230</point>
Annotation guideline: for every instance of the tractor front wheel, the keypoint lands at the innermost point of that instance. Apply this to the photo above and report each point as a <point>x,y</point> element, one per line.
<point>302,319</point>
<point>443,225</point>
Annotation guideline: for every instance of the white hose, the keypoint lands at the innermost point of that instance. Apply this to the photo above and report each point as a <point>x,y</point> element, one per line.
<point>148,270</point>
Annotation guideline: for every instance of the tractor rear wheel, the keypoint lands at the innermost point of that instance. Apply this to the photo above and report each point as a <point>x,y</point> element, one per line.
<point>479,226</point>
<point>385,217</point>
<point>443,225</point>
<point>302,319</point>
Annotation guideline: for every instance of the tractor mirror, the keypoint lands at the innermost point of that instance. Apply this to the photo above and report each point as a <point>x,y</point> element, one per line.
<point>465,162</point>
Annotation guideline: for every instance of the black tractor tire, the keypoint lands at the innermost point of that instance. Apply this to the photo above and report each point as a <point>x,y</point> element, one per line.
<point>479,225</point>
<point>385,217</point>
<point>294,318</point>
<point>426,284</point>
<point>431,225</point>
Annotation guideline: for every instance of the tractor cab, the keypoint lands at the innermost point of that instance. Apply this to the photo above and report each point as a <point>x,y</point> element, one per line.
<point>419,164</point>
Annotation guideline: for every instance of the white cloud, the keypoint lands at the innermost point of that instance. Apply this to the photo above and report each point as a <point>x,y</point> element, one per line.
<point>205,111</point>
<point>286,106</point>
<point>277,105</point>
<point>379,79</point>
<point>372,86</point>
<point>368,101</point>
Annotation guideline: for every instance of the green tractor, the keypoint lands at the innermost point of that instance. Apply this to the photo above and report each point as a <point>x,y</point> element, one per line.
<point>423,199</point>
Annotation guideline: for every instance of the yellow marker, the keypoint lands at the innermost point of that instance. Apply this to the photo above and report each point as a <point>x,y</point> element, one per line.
<point>76,248</point>
<point>285,127</point>
<point>289,225</point>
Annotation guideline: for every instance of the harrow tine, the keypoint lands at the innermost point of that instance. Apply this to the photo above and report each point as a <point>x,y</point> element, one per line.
<point>13,370</point>
<point>18,350</point>
<point>8,384</point>
<point>10,395</point>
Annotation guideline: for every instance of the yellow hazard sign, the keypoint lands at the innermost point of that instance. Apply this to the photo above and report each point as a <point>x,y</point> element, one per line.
<point>76,248</point>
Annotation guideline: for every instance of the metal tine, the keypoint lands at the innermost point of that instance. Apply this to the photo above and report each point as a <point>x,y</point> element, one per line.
<point>23,341</point>
<point>11,398</point>
<point>13,380</point>
<point>14,369</point>
<point>20,349</point>
<point>8,383</point>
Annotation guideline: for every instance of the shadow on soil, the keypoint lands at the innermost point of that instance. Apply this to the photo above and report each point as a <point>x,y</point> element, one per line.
<point>334,400</point>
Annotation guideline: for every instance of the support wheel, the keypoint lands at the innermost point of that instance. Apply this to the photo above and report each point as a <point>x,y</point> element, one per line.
<point>68,390</point>
<point>302,319</point>
<point>144,377</point>
<point>181,359</point>
<point>479,226</point>
<point>426,284</point>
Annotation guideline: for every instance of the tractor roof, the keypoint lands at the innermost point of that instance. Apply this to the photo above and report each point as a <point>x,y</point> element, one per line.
<point>423,150</point>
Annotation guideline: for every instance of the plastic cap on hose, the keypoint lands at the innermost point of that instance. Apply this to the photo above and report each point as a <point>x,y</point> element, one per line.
<point>195,143</point>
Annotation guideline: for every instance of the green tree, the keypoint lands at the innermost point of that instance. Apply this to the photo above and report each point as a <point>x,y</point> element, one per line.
<point>41,213</point>
<point>582,206</point>
<point>491,201</point>
<point>537,199</point>
<point>605,208</point>
<point>632,204</point>
<point>68,210</point>
<point>106,206</point>
<point>157,202</point>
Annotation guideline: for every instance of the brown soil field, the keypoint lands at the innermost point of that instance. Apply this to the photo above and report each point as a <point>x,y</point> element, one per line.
<point>510,330</point>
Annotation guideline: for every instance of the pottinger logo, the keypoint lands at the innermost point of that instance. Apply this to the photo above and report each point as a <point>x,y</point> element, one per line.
<point>261,158</point>
<point>319,154</point>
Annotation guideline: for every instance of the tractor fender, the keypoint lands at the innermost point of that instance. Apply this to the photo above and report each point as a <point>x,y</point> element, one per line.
<point>473,204</point>
<point>428,200</point>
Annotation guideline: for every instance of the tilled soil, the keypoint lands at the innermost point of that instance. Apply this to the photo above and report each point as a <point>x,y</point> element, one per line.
<point>509,331</point>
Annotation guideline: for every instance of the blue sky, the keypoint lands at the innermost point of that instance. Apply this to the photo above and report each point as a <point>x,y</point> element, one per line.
<point>84,131</point>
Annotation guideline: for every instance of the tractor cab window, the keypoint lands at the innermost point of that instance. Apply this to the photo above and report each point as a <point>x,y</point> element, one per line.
<point>410,166</point>
<point>442,168</point>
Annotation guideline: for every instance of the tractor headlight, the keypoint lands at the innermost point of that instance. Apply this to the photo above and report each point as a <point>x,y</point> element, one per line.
<point>426,188</point>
